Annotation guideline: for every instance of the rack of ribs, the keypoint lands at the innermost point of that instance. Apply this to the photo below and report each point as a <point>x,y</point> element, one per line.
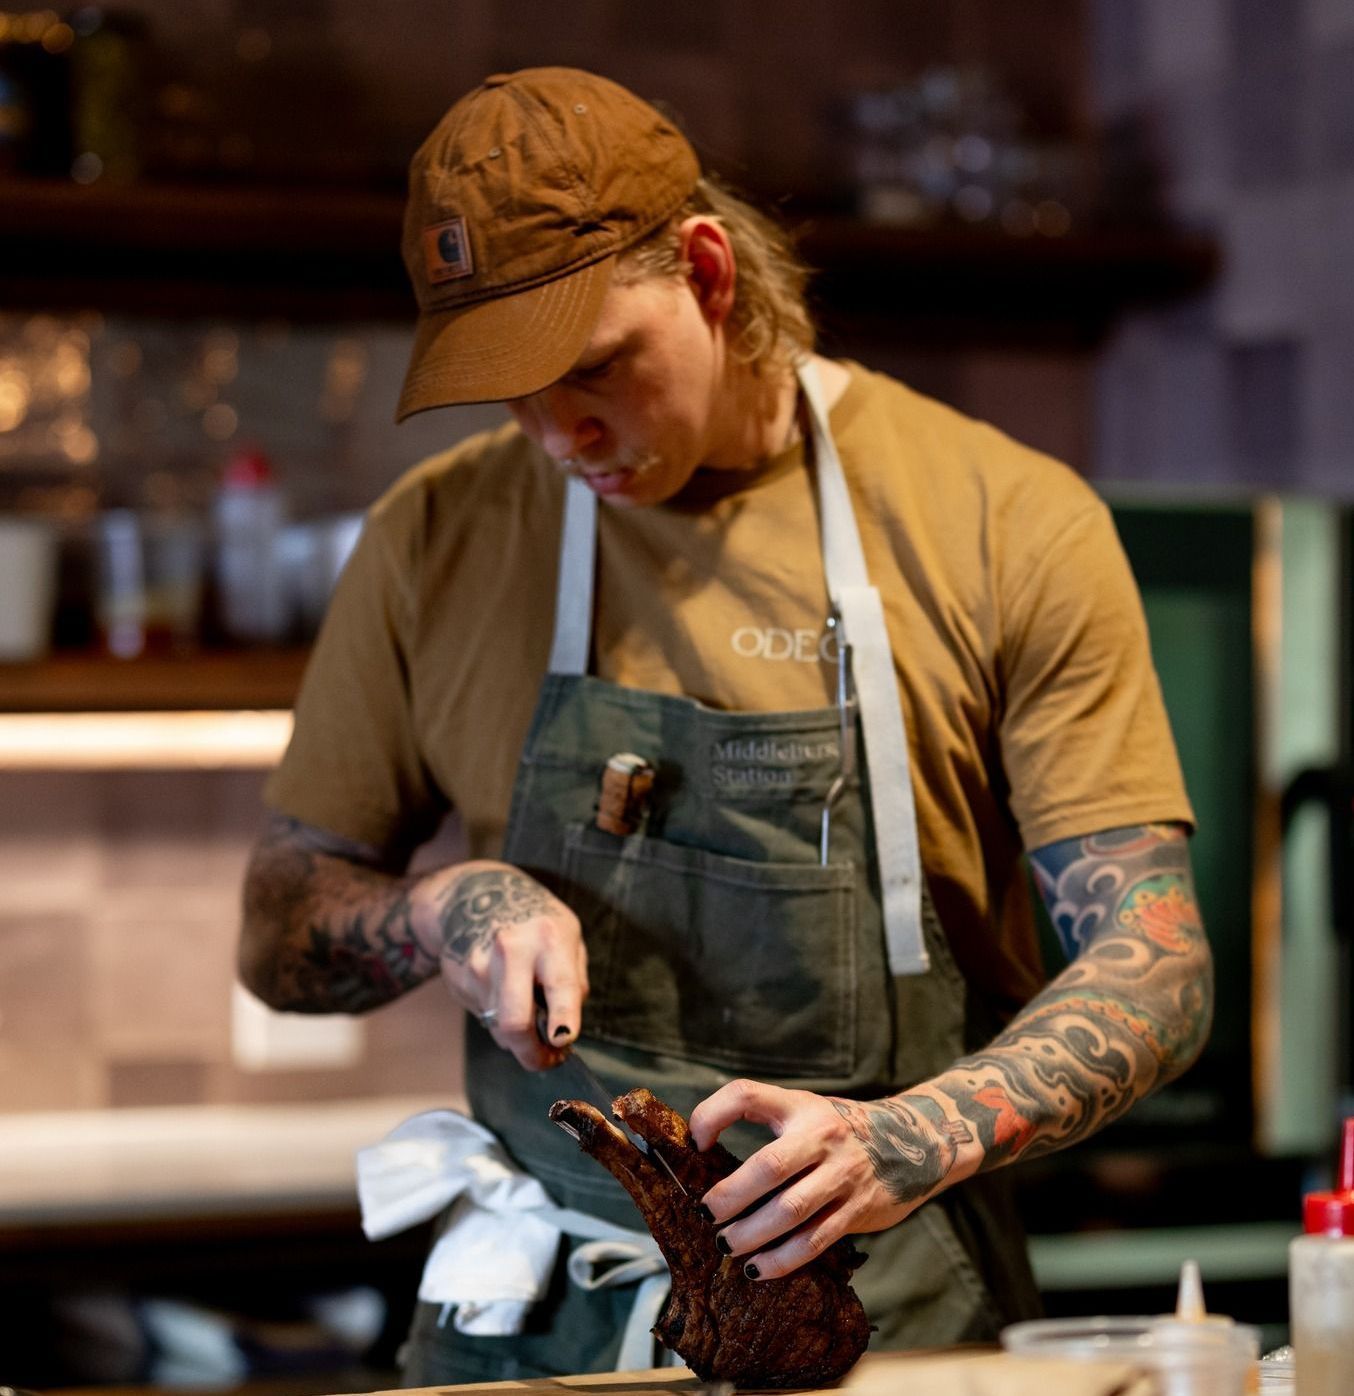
<point>804,1329</point>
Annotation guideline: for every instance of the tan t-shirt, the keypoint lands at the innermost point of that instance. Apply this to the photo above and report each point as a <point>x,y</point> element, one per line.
<point>1032,708</point>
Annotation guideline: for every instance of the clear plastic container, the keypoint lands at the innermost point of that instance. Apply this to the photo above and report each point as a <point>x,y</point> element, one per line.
<point>1204,1358</point>
<point>1278,1373</point>
<point>1190,1352</point>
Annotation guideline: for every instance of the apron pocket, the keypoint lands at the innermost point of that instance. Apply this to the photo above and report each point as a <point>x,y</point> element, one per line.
<point>747,966</point>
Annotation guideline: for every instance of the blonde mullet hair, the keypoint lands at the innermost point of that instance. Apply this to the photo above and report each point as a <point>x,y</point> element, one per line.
<point>769,322</point>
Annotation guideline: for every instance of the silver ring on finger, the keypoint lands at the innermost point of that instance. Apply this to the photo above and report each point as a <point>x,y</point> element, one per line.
<point>489,1017</point>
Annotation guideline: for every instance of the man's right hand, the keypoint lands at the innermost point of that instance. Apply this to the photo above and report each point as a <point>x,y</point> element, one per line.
<point>497,933</point>
<point>330,926</point>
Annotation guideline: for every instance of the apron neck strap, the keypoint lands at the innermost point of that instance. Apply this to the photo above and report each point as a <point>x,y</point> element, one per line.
<point>843,555</point>
<point>864,630</point>
<point>573,595</point>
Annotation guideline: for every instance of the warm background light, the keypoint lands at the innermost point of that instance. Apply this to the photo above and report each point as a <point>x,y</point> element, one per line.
<point>143,741</point>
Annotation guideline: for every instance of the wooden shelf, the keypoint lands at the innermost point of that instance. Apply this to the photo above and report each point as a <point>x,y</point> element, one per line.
<point>314,254</point>
<point>184,251</point>
<point>198,250</point>
<point>947,285</point>
<point>213,680</point>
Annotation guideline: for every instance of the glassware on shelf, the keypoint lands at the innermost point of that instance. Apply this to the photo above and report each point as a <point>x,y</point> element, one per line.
<point>951,148</point>
<point>149,576</point>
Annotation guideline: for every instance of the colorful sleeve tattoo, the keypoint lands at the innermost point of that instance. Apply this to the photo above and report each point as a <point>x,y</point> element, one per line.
<point>1130,1012</point>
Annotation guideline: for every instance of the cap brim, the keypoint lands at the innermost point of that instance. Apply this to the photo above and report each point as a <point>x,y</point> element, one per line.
<point>507,347</point>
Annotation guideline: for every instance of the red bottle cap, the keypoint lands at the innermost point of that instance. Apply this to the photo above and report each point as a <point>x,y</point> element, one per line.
<point>1332,1213</point>
<point>247,469</point>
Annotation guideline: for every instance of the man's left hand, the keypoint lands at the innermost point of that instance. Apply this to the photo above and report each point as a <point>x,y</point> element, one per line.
<point>816,1181</point>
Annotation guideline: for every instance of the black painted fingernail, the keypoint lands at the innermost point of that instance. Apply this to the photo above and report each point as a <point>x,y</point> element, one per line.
<point>751,1271</point>
<point>722,1246</point>
<point>562,1031</point>
<point>704,1213</point>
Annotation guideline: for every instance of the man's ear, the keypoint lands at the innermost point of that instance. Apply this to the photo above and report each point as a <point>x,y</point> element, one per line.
<point>705,248</point>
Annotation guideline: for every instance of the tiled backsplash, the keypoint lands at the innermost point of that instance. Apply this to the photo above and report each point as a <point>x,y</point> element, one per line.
<point>119,912</point>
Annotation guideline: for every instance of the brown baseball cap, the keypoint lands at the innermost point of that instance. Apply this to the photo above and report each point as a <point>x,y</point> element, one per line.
<point>519,201</point>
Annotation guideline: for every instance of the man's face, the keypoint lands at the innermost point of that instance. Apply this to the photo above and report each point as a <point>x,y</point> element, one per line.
<point>635,416</point>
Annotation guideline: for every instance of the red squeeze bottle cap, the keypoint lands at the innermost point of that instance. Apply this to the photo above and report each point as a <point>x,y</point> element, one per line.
<point>1332,1213</point>
<point>248,468</point>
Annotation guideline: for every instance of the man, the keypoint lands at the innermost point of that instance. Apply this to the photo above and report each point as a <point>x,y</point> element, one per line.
<point>867,648</point>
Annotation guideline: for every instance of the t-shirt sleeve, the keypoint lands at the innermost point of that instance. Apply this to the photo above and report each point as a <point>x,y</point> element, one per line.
<point>353,765</point>
<point>1086,742</point>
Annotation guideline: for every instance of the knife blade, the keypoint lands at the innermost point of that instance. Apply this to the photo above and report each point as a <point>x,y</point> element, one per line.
<point>599,1094</point>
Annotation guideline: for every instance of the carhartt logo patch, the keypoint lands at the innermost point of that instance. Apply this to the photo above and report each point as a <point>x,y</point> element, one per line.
<point>446,251</point>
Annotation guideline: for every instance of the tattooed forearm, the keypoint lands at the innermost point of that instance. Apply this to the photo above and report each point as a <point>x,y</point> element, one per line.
<point>476,908</point>
<point>1129,1013</point>
<point>329,928</point>
<point>326,929</point>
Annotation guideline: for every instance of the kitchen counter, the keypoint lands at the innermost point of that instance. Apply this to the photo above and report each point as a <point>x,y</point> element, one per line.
<point>241,1209</point>
<point>146,1165</point>
<point>951,1372</point>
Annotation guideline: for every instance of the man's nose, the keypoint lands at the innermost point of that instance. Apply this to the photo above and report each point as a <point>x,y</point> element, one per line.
<point>553,417</point>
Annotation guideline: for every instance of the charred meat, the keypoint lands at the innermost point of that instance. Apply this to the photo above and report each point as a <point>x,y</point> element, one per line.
<point>804,1329</point>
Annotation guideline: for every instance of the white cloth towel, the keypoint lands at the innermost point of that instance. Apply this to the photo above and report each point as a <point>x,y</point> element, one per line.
<point>493,1260</point>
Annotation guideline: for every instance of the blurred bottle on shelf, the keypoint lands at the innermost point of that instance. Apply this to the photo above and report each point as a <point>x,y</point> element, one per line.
<point>28,578</point>
<point>15,118</point>
<point>311,556</point>
<point>71,93</point>
<point>107,72</point>
<point>34,93</point>
<point>148,596</point>
<point>250,514</point>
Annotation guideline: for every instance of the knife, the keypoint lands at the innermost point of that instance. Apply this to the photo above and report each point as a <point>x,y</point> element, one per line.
<point>599,1094</point>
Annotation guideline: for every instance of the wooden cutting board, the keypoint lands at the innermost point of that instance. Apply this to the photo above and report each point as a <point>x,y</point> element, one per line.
<point>956,1372</point>
<point>662,1381</point>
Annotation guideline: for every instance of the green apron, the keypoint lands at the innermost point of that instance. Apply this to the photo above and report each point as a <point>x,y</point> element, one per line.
<point>722,943</point>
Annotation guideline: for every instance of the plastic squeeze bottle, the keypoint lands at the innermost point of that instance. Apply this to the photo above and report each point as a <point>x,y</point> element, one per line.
<point>1321,1284</point>
<point>249,516</point>
<point>1196,1353</point>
